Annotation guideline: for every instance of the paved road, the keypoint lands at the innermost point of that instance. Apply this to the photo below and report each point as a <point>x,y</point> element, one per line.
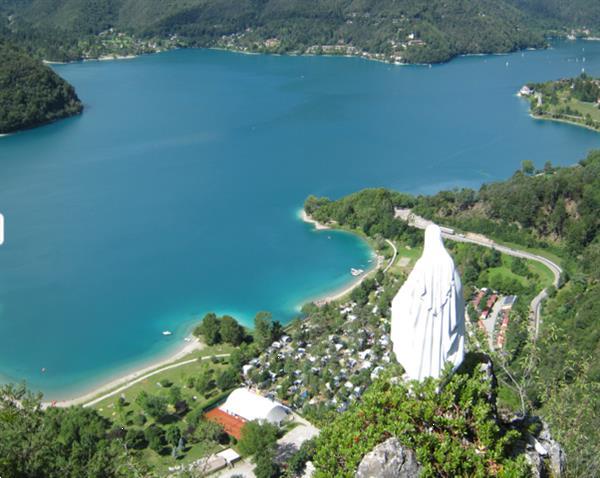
<point>391,263</point>
<point>480,240</point>
<point>490,322</point>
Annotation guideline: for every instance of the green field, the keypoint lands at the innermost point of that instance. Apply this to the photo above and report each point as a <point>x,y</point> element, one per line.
<point>123,411</point>
<point>175,375</point>
<point>405,252</point>
<point>573,101</point>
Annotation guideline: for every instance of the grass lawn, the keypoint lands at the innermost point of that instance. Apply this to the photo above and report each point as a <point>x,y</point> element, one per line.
<point>161,463</point>
<point>533,250</point>
<point>503,273</point>
<point>578,110</point>
<point>405,252</point>
<point>584,108</point>
<point>178,377</point>
<point>545,275</point>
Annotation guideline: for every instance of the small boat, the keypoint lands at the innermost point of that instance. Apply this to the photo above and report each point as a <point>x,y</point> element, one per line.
<point>356,272</point>
<point>43,369</point>
<point>167,332</point>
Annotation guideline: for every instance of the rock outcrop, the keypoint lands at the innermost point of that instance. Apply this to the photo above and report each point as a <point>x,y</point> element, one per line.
<point>389,460</point>
<point>545,454</point>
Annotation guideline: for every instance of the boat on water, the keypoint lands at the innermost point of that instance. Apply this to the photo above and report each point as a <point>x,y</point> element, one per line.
<point>356,272</point>
<point>167,332</point>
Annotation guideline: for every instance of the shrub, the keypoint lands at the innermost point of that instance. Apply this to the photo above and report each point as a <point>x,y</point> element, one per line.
<point>454,432</point>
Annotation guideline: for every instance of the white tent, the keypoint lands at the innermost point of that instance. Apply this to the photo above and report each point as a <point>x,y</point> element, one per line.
<point>251,406</point>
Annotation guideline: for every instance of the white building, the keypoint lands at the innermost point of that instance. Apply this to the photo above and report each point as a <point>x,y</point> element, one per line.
<point>250,406</point>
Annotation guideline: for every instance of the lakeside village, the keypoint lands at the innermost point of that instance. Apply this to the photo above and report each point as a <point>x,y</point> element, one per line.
<point>252,41</point>
<point>267,394</point>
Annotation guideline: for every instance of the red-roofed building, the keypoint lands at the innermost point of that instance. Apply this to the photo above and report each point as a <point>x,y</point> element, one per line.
<point>478,298</point>
<point>232,425</point>
<point>491,301</point>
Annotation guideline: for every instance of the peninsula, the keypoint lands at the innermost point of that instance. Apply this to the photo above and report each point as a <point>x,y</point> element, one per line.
<point>573,100</point>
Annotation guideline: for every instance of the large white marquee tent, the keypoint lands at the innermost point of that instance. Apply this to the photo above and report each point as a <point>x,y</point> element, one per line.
<point>250,406</point>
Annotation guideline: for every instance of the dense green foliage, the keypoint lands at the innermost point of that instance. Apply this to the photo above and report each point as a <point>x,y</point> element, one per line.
<point>31,94</point>
<point>556,208</point>
<point>257,437</point>
<point>371,211</point>
<point>558,13</point>
<point>56,443</point>
<point>260,440</point>
<point>455,432</point>
<point>216,330</point>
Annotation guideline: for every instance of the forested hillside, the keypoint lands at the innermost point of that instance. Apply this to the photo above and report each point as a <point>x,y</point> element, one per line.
<point>551,209</point>
<point>31,94</point>
<point>399,30</point>
<point>559,13</point>
<point>396,30</point>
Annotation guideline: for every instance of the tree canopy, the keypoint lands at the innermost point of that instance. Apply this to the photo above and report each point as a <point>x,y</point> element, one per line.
<point>72,442</point>
<point>31,94</point>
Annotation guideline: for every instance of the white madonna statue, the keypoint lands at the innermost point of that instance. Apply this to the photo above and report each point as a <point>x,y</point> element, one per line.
<point>428,313</point>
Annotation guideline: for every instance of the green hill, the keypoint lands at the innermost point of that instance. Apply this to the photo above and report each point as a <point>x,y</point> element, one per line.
<point>410,31</point>
<point>558,13</point>
<point>403,30</point>
<point>31,94</point>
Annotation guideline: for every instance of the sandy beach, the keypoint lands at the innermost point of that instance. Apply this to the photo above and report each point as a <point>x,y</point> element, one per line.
<point>114,57</point>
<point>306,218</point>
<point>346,290</point>
<point>116,386</point>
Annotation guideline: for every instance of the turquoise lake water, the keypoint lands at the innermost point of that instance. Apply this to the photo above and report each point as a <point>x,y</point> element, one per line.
<point>176,192</point>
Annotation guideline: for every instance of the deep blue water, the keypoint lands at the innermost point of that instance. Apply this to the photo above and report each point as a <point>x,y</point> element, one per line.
<point>176,192</point>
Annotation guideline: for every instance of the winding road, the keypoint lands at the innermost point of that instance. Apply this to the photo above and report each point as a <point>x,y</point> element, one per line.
<point>393,259</point>
<point>480,240</point>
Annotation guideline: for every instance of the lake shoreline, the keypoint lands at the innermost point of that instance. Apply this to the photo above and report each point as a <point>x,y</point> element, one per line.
<point>194,345</point>
<point>346,289</point>
<point>560,120</point>
<point>360,55</point>
<point>186,350</point>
